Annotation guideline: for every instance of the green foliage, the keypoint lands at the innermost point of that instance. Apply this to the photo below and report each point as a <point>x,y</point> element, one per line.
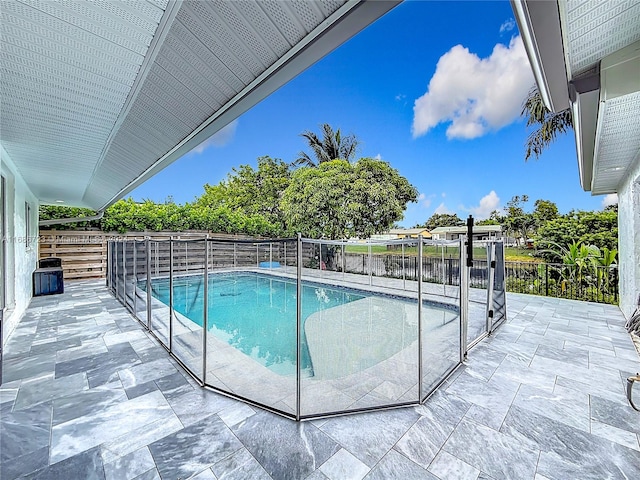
<point>128,215</point>
<point>598,228</point>
<point>517,222</point>
<point>332,146</point>
<point>544,211</point>
<point>548,124</point>
<point>441,220</point>
<point>50,212</point>
<point>252,192</point>
<point>337,199</point>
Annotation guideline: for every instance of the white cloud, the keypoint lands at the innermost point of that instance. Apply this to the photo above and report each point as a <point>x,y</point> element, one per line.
<point>488,204</point>
<point>442,209</point>
<point>219,139</point>
<point>611,199</point>
<point>475,95</point>
<point>400,96</point>
<point>508,25</point>
<point>378,157</point>
<point>425,200</point>
<point>444,194</point>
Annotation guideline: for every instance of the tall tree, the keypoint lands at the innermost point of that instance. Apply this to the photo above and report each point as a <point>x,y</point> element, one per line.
<point>251,191</point>
<point>548,124</point>
<point>544,211</point>
<point>332,146</point>
<point>338,199</point>
<point>517,222</point>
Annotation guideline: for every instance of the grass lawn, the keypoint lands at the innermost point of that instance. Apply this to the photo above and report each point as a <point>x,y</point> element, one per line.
<point>512,254</point>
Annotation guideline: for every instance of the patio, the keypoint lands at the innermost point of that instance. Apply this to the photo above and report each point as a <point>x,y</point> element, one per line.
<point>88,395</point>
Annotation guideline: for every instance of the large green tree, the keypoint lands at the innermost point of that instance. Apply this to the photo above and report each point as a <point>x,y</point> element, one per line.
<point>252,191</point>
<point>544,211</point>
<point>338,199</point>
<point>332,146</point>
<point>517,222</point>
<point>547,125</point>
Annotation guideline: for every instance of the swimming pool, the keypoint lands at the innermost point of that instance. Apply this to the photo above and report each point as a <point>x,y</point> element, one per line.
<point>256,314</point>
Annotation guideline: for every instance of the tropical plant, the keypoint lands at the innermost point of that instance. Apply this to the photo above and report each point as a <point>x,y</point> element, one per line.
<point>548,124</point>
<point>584,265</point>
<point>599,228</point>
<point>332,146</point>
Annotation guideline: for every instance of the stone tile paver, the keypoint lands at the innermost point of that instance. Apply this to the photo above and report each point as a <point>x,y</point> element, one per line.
<point>89,394</point>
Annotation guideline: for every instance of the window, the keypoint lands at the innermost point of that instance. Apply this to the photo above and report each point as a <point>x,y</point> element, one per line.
<point>27,223</point>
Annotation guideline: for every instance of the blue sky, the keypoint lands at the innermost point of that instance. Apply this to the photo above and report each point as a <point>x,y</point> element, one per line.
<point>433,88</point>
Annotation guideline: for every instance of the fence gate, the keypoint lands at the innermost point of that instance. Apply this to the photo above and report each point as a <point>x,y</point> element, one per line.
<point>482,291</point>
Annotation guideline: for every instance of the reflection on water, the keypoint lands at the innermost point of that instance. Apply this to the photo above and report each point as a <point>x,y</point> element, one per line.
<point>254,313</point>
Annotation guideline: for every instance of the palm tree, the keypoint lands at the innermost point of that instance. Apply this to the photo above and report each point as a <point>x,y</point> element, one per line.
<point>332,146</point>
<point>549,124</point>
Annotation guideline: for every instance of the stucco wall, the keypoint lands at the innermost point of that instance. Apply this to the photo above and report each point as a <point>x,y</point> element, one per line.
<point>21,257</point>
<point>629,241</point>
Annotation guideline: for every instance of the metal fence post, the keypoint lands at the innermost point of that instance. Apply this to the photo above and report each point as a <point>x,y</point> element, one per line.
<point>420,318</point>
<point>298,327</point>
<point>147,243</point>
<point>404,275</point>
<point>124,272</point>
<point>546,279</point>
<point>205,316</point>
<point>464,299</point>
<point>491,265</point>
<point>170,294</point>
<point>370,266</point>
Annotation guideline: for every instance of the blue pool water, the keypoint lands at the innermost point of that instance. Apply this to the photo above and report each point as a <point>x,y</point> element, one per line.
<point>256,314</point>
<point>252,312</point>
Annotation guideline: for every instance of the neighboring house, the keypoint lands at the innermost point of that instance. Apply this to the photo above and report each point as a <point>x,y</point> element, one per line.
<point>399,233</point>
<point>480,232</point>
<point>410,232</point>
<point>97,97</point>
<point>586,56</point>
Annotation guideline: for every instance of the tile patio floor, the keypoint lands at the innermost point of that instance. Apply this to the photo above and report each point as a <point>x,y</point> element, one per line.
<point>88,395</point>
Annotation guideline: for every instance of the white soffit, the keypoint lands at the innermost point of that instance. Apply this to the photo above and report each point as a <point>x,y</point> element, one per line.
<point>67,69</point>
<point>618,128</point>
<point>618,142</point>
<point>98,96</point>
<point>597,28</point>
<point>604,37</point>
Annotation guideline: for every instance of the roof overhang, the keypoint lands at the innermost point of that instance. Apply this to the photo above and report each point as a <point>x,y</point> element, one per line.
<point>98,97</point>
<point>586,56</point>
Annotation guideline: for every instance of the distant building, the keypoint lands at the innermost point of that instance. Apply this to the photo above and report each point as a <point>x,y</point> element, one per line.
<point>480,232</point>
<point>399,233</point>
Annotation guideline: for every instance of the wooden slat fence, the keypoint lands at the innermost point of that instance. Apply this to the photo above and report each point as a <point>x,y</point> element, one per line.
<point>84,253</point>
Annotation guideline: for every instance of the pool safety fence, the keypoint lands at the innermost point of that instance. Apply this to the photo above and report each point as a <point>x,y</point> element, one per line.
<point>298,327</point>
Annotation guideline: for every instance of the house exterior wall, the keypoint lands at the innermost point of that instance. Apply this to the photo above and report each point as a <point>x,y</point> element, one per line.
<point>629,241</point>
<point>20,255</point>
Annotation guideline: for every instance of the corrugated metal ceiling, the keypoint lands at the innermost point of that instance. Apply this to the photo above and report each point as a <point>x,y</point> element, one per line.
<point>97,94</point>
